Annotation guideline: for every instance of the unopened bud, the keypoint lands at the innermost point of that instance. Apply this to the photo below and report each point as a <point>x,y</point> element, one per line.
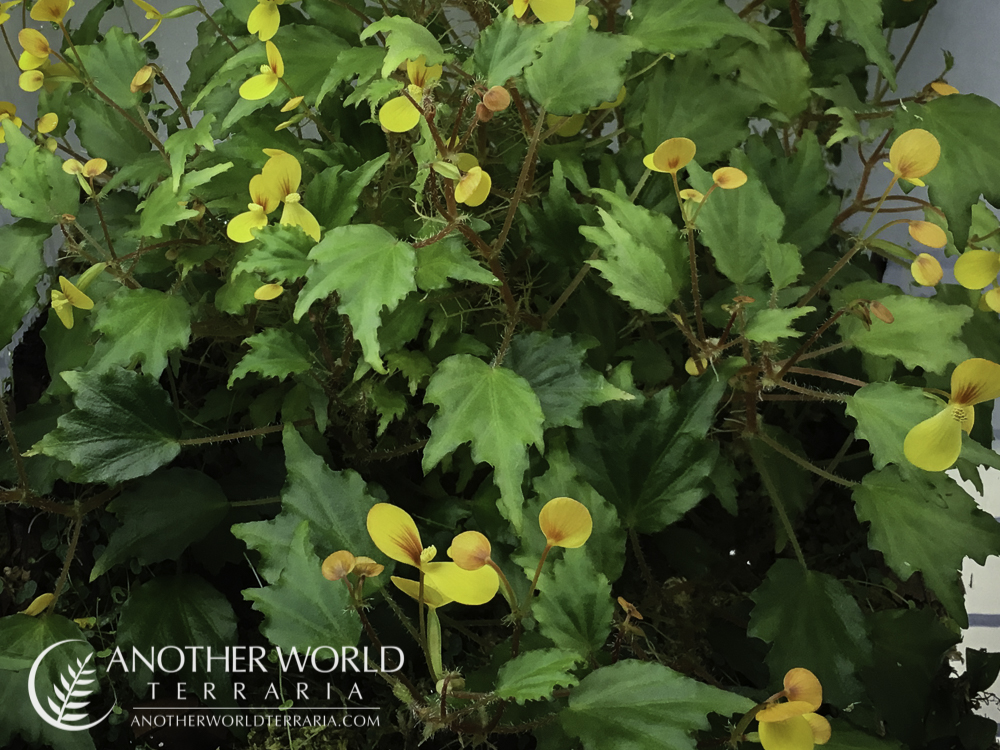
<point>881,312</point>
<point>483,112</point>
<point>141,80</point>
<point>497,99</point>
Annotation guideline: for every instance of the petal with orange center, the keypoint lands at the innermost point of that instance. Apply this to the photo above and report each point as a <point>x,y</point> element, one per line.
<point>928,233</point>
<point>802,685</point>
<point>926,270</point>
<point>282,173</point>
<point>915,153</point>
<point>50,10</point>
<point>398,115</point>
<point>47,122</point>
<point>95,167</point>
<point>432,597</point>
<point>274,61</point>
<point>977,269</point>
<point>729,178</point>
<point>935,443</point>
<point>264,20</point>
<point>264,193</point>
<point>820,728</point>
<point>553,10</point>
<point>791,734</point>
<point>365,566</point>
<point>975,381</point>
<point>31,80</point>
<point>673,154</point>
<point>469,587</point>
<point>470,550</point>
<point>34,42</point>
<point>395,533</point>
<point>565,522</point>
<point>338,565</point>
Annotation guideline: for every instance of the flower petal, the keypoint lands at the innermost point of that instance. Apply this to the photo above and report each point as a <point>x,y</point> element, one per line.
<point>791,734</point>
<point>268,292</point>
<point>977,269</point>
<point>474,187</point>
<point>673,154</point>
<point>264,20</point>
<point>934,444</point>
<point>395,533</point>
<point>239,227</point>
<point>975,381</point>
<point>565,522</point>
<point>338,565</point>
<point>802,685</point>
<point>35,43</point>
<point>74,296</point>
<point>820,728</point>
<point>398,115</point>
<point>50,10</point>
<point>928,233</point>
<point>990,300</point>
<point>520,7</point>
<point>274,61</point>
<point>570,125</point>
<point>470,550</point>
<point>915,153</point>
<point>63,308</point>
<point>282,173</point>
<point>469,587</point>
<point>432,597</point>
<point>259,86</point>
<point>553,10</point>
<point>926,270</point>
<point>729,178</point>
<point>943,89</point>
<point>295,214</point>
<point>785,711</point>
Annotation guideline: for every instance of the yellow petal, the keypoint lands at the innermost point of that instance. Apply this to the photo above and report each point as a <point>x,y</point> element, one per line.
<point>50,10</point>
<point>934,444</point>
<point>365,566</point>
<point>47,122</point>
<point>792,734</point>
<point>570,125</point>
<point>617,100</point>
<point>282,174</point>
<point>34,42</point>
<point>259,86</point>
<point>915,153</point>
<point>990,300</point>
<point>975,381</point>
<point>672,155</point>
<point>31,80</point>
<point>553,10</point>
<point>729,178</point>
<point>926,270</point>
<point>239,227</point>
<point>474,187</point>
<point>268,292</point>
<point>74,296</point>
<point>264,20</point>
<point>150,32</point>
<point>151,12</point>
<point>465,161</point>
<point>820,728</point>
<point>265,193</point>
<point>785,711</point>
<point>295,214</point>
<point>802,685</point>
<point>292,103</point>
<point>943,89</point>
<point>470,550</point>
<point>38,605</point>
<point>398,115</point>
<point>977,269</point>
<point>565,522</point>
<point>648,163</point>
<point>28,61</point>
<point>95,167</point>
<point>928,233</point>
<point>274,61</point>
<point>338,565</point>
<point>432,597</point>
<point>394,533</point>
<point>72,166</point>
<point>690,194</point>
<point>691,367</point>
<point>420,74</point>
<point>63,308</point>
<point>471,587</point>
<point>520,7</point>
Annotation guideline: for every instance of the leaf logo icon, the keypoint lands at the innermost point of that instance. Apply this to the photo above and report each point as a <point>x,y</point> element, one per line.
<point>76,683</point>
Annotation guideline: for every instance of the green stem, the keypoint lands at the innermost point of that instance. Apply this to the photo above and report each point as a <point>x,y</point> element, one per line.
<point>772,490</point>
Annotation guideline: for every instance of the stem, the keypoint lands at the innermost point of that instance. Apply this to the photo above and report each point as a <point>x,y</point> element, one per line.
<point>251,503</point>
<point>70,554</point>
<point>647,572</point>
<point>805,347</point>
<point>177,99</point>
<point>6,40</point>
<point>577,280</point>
<point>692,261</point>
<point>534,581</point>
<point>830,375</point>
<point>798,29</point>
<point>218,29</point>
<point>240,435</point>
<point>22,475</point>
<point>804,463</point>
<point>529,163</point>
<point>511,598</point>
<point>772,490</point>
<point>104,224</point>
<point>640,185</point>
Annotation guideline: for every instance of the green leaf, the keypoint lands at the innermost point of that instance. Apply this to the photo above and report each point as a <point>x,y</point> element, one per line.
<point>885,412</point>
<point>784,265</point>
<point>32,183</point>
<point>685,25</point>
<point>105,133</point>
<point>360,62</point>
<point>534,674</point>
<point>687,99</point>
<point>811,621</point>
<point>771,325</point>
<point>123,427</point>
<point>23,267</point>
<point>405,40</point>
<point>493,409</point>
<point>861,22</point>
<point>449,259</point>
<point>274,353</point>
<point>24,637</point>
<point>564,78</point>
<point>925,333</point>
<point>574,609</point>
<point>778,73</point>
<point>506,47</point>
<point>185,143</point>
<point>280,254</point>
<point>907,513</point>
<point>165,207</point>
<point>333,194</point>
<point>369,269</point>
<point>140,325</point>
<point>160,516</point>
<point>555,370</point>
<point>738,225</point>
<point>649,457</point>
<point>969,159</point>
<point>111,64</point>
<point>847,737</point>
<point>635,705</point>
<point>178,610</point>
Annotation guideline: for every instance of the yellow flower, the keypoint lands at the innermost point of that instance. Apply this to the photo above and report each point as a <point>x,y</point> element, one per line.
<point>565,522</point>
<point>474,187</point>
<point>50,10</point>
<point>395,534</point>
<point>283,173</point>
<point>47,123</point>
<point>265,197</point>
<point>36,49</point>
<point>268,292</point>
<point>470,550</point>
<point>8,111</point>
<point>729,178</point>
<point>926,270</point>
<point>141,80</point>
<point>93,167</point>
<point>943,89</point>
<point>398,115</point>
<point>792,724</point>
<point>38,605</point>
<point>4,7</point>
<point>497,99</point>
<point>265,19</point>
<point>927,233</point>
<point>151,14</point>
<point>66,298</point>
<point>976,269</point>
<point>432,597</point>
<point>365,567</point>
<point>915,153</point>
<point>935,443</point>
<point>48,75</point>
<point>262,85</point>
<point>338,565</point>
<point>546,10</point>
<point>671,156</point>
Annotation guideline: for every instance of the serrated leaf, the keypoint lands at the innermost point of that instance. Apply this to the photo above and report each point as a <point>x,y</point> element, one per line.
<point>685,25</point>
<point>280,254</point>
<point>184,143</point>
<point>905,513</point>
<point>555,369</point>
<point>493,409</point>
<point>811,621</point>
<point>333,194</point>
<point>24,638</point>
<point>860,21</point>
<point>534,674</point>
<point>104,133</point>
<point>405,40</point>
<point>123,427</point>
<point>784,265</point>
<point>23,264</point>
<point>166,207</point>
<point>140,325</point>
<point>635,705</point>
<point>564,79</point>
<point>507,46</point>
<point>111,63</point>
<point>160,516</point>
<point>274,353</point>
<point>370,270</point>
<point>771,325</point>
<point>574,609</point>
<point>32,183</point>
<point>777,72</point>
<point>449,259</point>
<point>363,62</point>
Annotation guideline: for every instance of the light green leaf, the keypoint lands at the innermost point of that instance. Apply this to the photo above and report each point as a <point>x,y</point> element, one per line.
<point>164,207</point>
<point>927,523</point>
<point>23,268</point>
<point>449,259</point>
<point>160,516</point>
<point>811,621</point>
<point>184,143</point>
<point>405,40</point>
<point>494,410</point>
<point>534,674</point>
<point>32,183</point>
<point>777,72</point>
<point>104,133</point>
<point>140,325</point>
<point>771,325</point>
<point>280,253</point>
<point>370,270</point>
<point>123,427</point>
<point>555,369</point>
<point>274,353</point>
<point>507,46</point>
<point>564,78</point>
<point>111,63</point>
<point>333,194</point>
<point>685,25</point>
<point>360,62</point>
<point>635,705</point>
<point>784,265</point>
<point>574,609</point>
<point>860,21</point>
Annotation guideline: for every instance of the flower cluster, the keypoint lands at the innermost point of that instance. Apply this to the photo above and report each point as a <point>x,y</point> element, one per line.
<point>277,183</point>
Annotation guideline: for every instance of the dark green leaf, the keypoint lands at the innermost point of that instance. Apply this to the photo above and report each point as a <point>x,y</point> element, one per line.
<point>449,259</point>
<point>772,324</point>
<point>574,609</point>
<point>274,353</point>
<point>778,73</point>
<point>847,737</point>
<point>32,183</point>
<point>405,40</point>
<point>363,62</point>
<point>860,21</point>
<point>140,325</point>
<point>279,254</point>
<point>685,25</point>
<point>111,64</point>
<point>333,194</point>
<point>21,268</point>
<point>105,133</point>
<point>164,207</point>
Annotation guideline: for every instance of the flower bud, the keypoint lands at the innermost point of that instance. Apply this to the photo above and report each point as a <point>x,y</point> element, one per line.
<point>497,99</point>
<point>141,81</point>
<point>483,112</point>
